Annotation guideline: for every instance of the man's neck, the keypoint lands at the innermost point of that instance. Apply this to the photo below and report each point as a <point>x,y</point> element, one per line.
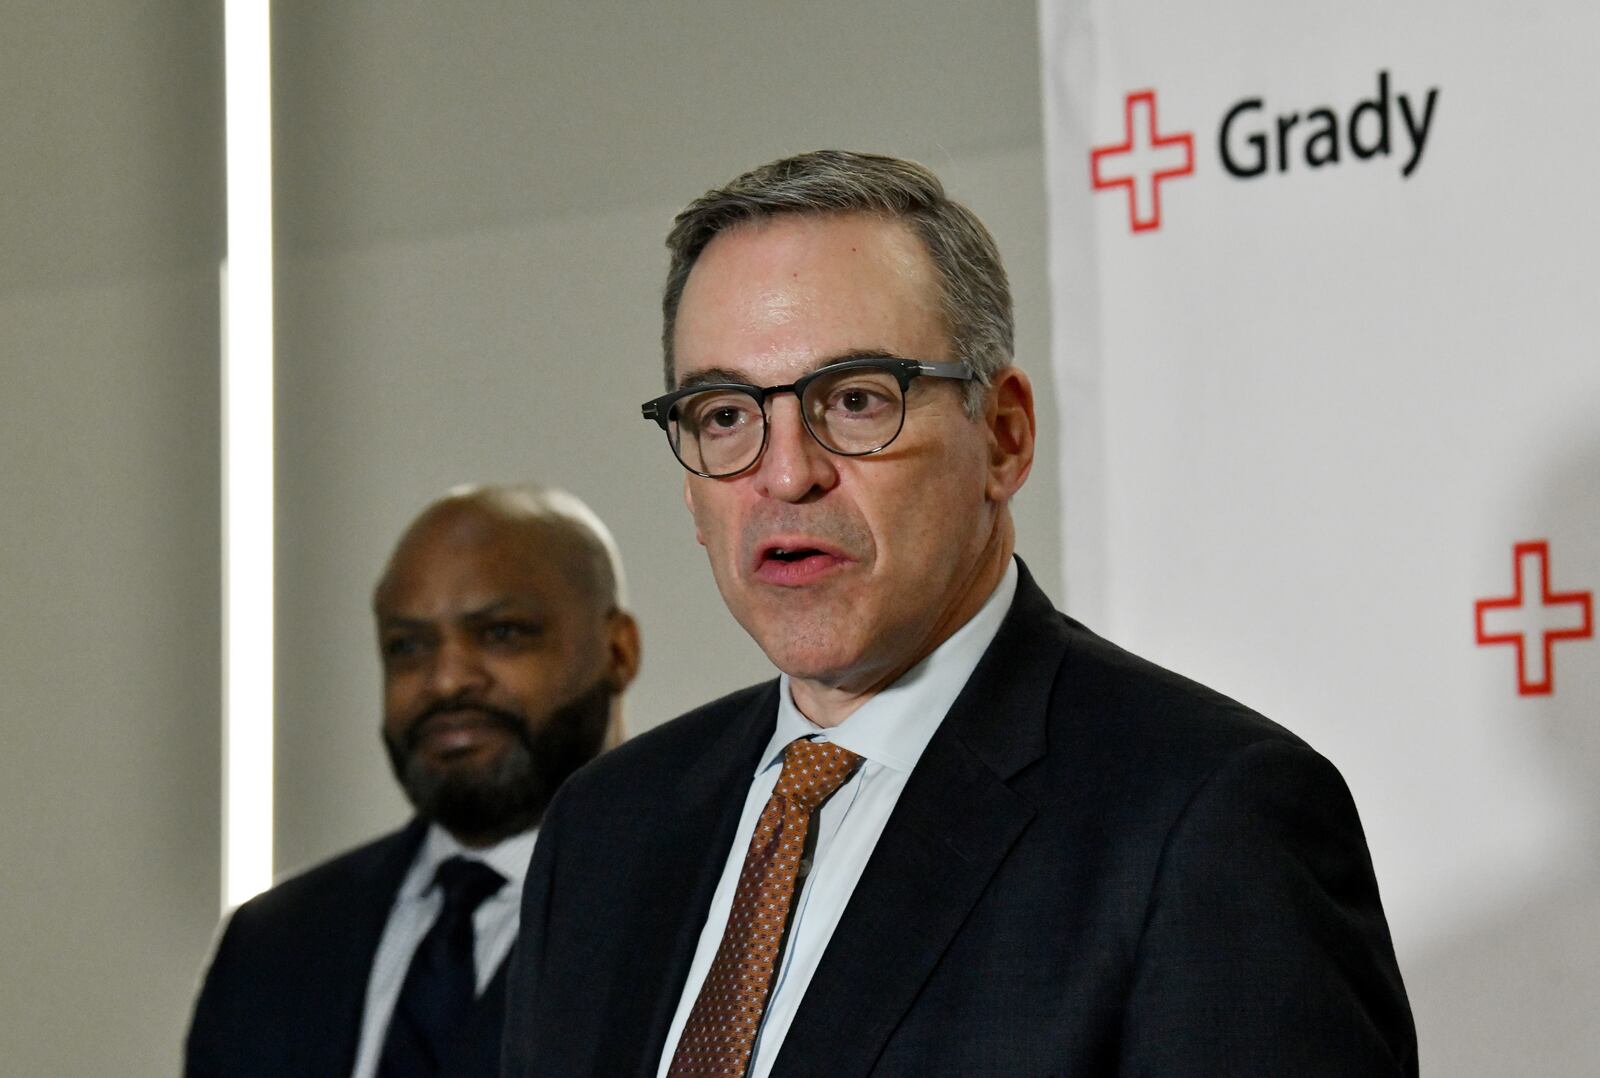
<point>827,704</point>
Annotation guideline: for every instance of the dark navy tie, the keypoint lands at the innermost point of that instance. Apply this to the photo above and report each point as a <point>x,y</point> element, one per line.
<point>442,980</point>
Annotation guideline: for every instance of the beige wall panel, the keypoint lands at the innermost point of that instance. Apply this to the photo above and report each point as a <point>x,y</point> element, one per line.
<point>111,228</point>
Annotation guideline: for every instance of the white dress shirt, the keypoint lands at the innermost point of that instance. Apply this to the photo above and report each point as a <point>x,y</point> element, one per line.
<point>889,732</point>
<point>416,907</point>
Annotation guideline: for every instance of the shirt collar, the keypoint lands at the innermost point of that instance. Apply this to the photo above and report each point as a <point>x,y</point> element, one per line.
<point>509,857</point>
<point>894,726</point>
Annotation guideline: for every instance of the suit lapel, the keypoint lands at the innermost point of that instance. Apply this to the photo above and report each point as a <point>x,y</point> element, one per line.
<point>951,829</point>
<point>351,949</point>
<point>683,862</point>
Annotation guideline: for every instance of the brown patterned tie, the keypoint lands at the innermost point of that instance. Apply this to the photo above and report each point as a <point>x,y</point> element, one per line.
<point>721,1029</point>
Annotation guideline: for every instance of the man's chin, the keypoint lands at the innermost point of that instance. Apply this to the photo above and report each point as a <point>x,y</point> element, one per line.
<point>827,662</point>
<point>480,796</point>
<point>798,632</point>
<point>478,816</point>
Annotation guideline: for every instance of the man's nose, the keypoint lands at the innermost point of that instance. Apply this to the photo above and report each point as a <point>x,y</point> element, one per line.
<point>457,666</point>
<point>794,467</point>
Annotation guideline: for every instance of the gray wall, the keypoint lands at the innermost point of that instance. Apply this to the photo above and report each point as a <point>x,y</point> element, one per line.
<point>111,231</point>
<point>471,200</point>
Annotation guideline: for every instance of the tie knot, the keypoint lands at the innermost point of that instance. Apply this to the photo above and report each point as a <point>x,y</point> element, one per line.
<point>812,770</point>
<point>465,883</point>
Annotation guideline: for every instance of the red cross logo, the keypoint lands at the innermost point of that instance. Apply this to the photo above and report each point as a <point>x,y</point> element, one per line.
<point>1533,610</point>
<point>1141,161</point>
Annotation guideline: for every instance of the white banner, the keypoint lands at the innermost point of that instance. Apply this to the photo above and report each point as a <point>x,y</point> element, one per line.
<point>1326,312</point>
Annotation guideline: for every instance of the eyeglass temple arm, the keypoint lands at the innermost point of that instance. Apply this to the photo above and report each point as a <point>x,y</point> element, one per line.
<point>960,369</point>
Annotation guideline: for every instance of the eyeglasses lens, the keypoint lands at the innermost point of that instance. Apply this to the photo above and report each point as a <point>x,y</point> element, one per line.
<point>854,411</point>
<point>720,432</point>
<point>717,432</point>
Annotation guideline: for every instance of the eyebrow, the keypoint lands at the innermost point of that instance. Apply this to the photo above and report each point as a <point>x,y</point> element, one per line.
<point>715,376</point>
<point>726,375</point>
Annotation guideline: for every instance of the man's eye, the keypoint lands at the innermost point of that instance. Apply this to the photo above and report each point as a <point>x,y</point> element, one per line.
<point>504,632</point>
<point>720,415</point>
<point>857,401</point>
<point>400,647</point>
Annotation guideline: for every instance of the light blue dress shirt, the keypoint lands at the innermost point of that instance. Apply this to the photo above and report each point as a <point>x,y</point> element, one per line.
<point>889,732</point>
<point>416,907</point>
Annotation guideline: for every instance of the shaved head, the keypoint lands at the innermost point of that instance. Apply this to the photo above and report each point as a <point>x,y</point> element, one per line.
<point>552,522</point>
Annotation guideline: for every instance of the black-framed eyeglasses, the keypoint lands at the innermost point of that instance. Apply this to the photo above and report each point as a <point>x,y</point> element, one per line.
<point>852,408</point>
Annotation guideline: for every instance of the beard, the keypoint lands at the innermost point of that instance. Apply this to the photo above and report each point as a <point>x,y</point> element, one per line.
<point>511,792</point>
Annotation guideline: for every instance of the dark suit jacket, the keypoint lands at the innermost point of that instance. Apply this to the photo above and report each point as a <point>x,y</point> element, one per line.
<point>1097,868</point>
<point>287,989</point>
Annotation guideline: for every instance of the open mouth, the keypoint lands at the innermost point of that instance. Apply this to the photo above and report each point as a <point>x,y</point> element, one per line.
<point>784,554</point>
<point>795,563</point>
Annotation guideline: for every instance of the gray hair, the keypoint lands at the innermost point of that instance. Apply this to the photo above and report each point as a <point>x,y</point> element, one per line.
<point>976,298</point>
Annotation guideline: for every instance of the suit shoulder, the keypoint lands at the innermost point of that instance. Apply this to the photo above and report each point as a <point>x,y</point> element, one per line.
<point>309,896</point>
<point>1104,692</point>
<point>1153,748</point>
<point>1096,690</point>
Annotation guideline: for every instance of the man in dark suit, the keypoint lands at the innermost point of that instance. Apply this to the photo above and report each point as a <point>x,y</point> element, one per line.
<point>960,834</point>
<point>505,652</point>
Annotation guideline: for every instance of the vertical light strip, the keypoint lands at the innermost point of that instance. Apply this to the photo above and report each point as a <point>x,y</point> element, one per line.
<point>247,388</point>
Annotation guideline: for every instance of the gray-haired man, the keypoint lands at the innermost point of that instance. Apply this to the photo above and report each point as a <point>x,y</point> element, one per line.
<point>960,834</point>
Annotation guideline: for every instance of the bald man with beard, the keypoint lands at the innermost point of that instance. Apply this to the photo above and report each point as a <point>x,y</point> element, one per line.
<point>505,653</point>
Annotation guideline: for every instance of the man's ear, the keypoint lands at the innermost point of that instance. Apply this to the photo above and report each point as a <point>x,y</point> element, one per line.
<point>1008,414</point>
<point>622,651</point>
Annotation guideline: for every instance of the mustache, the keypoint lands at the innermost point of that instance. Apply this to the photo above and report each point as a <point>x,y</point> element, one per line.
<point>851,536</point>
<point>495,716</point>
